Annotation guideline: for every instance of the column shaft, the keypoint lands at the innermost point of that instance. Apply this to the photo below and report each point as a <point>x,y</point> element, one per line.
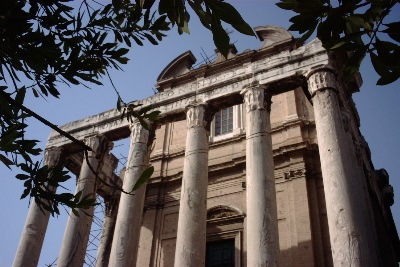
<point>191,234</point>
<point>107,234</point>
<point>34,231</point>
<point>350,234</point>
<point>129,220</point>
<point>262,222</point>
<point>76,236</point>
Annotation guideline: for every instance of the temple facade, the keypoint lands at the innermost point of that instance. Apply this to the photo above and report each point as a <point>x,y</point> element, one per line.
<point>258,161</point>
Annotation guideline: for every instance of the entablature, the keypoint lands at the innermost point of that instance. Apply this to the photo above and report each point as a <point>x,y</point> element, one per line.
<point>280,72</point>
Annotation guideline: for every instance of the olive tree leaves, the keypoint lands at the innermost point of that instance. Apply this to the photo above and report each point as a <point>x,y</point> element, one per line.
<point>211,14</point>
<point>357,26</point>
<point>45,43</point>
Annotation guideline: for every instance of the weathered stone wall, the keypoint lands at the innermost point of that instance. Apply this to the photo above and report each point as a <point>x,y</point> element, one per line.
<point>303,231</point>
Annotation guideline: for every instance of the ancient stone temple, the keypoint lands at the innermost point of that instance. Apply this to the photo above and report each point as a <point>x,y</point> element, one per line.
<point>258,161</point>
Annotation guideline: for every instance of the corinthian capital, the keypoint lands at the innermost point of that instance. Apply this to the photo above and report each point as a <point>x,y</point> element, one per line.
<point>138,133</point>
<point>255,97</point>
<point>197,115</point>
<point>321,79</point>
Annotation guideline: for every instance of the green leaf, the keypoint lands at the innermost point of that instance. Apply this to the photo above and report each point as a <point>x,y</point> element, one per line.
<point>140,3</point>
<point>352,65</point>
<point>25,193</point>
<point>288,4</point>
<point>379,67</point>
<point>122,60</point>
<point>22,176</point>
<point>303,23</point>
<point>143,178</point>
<point>145,110</point>
<point>345,46</point>
<point>356,20</point>
<point>204,18</point>
<point>75,212</point>
<point>185,27</point>
<point>388,53</point>
<point>77,196</point>
<point>119,104</point>
<point>220,37</point>
<point>6,161</point>
<point>137,40</point>
<point>230,15</point>
<point>393,30</point>
<point>388,78</point>
<point>117,4</point>
<point>151,39</point>
<point>164,6</point>
<point>65,197</point>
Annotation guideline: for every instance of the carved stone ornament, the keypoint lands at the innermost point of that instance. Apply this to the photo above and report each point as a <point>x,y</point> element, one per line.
<point>321,79</point>
<point>222,211</point>
<point>196,115</point>
<point>52,155</point>
<point>99,144</point>
<point>138,133</point>
<point>255,97</point>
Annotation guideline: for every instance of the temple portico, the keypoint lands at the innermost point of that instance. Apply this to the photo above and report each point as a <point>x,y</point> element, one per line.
<point>268,175</point>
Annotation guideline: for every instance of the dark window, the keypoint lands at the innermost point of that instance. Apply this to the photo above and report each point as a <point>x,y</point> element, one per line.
<point>221,253</point>
<point>224,121</point>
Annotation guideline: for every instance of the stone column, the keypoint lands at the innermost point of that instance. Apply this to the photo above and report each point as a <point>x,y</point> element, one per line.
<point>191,234</point>
<point>76,236</point>
<point>262,219</point>
<point>31,242</point>
<point>110,218</point>
<point>350,235</point>
<point>129,220</point>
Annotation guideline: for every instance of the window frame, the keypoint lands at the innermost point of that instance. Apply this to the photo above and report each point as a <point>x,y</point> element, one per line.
<point>234,234</point>
<point>237,125</point>
<point>232,246</point>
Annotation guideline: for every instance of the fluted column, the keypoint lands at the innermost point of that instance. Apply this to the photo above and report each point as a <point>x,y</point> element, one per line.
<point>31,242</point>
<point>350,235</point>
<point>262,221</point>
<point>76,236</point>
<point>110,218</point>
<point>191,235</point>
<point>129,220</point>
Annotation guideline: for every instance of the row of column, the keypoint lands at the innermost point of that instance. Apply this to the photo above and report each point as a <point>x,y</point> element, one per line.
<point>121,230</point>
<point>351,238</point>
<point>262,231</point>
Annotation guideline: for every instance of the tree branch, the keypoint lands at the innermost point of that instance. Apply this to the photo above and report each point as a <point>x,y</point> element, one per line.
<point>43,120</point>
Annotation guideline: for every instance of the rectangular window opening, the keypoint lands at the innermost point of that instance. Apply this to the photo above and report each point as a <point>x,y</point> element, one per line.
<point>220,253</point>
<point>224,121</point>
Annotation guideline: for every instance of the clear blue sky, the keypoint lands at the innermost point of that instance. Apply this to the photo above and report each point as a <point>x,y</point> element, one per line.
<point>379,109</point>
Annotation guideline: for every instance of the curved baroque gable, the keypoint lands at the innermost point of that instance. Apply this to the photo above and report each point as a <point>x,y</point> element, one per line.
<point>180,65</point>
<point>273,35</point>
<point>223,211</point>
